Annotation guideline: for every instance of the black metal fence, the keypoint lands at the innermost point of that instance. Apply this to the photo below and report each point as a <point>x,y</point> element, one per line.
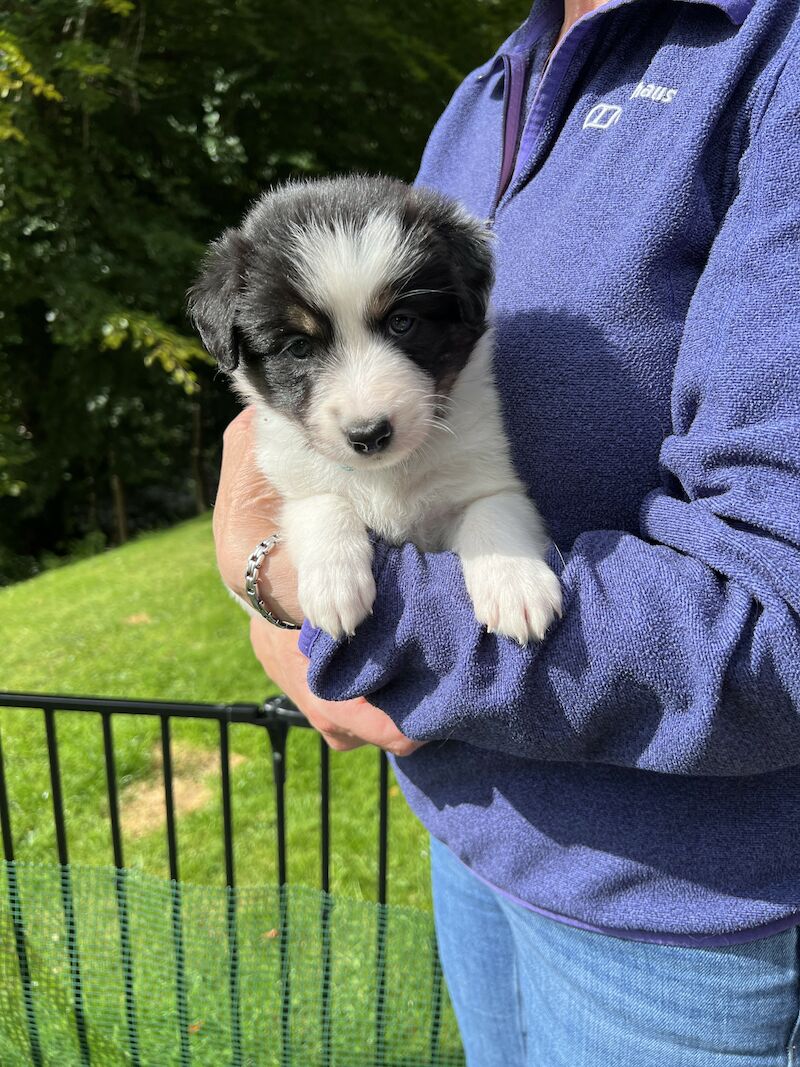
<point>276,717</point>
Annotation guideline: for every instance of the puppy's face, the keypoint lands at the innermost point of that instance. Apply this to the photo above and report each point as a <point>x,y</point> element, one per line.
<point>350,306</point>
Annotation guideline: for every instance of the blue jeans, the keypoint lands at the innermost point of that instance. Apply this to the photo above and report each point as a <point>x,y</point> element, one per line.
<point>532,992</point>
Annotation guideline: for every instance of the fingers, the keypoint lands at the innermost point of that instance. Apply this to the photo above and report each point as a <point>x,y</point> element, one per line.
<point>245,511</point>
<point>242,482</point>
<point>337,738</point>
<point>344,725</point>
<point>404,746</point>
<point>241,425</point>
<point>374,726</point>
<point>343,741</point>
<point>338,743</point>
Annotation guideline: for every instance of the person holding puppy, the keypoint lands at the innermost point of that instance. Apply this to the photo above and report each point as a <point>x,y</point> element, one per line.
<point>614,809</point>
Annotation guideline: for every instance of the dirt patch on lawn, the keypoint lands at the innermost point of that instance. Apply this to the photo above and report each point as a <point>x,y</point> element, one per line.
<point>193,773</point>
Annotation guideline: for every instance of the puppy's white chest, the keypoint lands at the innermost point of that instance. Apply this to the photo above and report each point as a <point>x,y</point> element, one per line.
<point>397,504</point>
<point>405,512</point>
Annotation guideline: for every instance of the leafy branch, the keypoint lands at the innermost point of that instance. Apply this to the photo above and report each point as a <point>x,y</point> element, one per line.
<point>16,76</point>
<point>159,343</point>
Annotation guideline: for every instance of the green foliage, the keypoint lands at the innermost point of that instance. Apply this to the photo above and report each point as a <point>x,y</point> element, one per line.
<point>15,453</point>
<point>132,133</point>
<point>174,352</point>
<point>16,77</point>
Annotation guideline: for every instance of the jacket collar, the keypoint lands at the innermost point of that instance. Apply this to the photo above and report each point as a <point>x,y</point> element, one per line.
<point>546,13</point>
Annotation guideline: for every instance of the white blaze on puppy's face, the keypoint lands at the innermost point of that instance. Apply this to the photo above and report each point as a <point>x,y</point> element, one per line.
<point>343,269</point>
<point>342,264</point>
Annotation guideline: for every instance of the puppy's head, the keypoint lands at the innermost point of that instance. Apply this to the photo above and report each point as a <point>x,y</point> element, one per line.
<point>349,305</point>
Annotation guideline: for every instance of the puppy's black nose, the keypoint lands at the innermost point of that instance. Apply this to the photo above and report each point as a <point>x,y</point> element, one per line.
<point>370,439</point>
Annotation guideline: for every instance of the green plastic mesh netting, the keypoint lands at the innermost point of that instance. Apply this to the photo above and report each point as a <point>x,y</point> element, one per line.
<point>313,981</point>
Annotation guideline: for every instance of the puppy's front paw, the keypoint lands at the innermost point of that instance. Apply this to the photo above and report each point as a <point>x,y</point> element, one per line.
<point>336,597</point>
<point>516,597</point>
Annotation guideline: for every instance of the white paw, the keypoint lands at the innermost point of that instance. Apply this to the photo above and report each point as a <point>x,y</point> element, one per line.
<point>517,597</point>
<point>336,597</point>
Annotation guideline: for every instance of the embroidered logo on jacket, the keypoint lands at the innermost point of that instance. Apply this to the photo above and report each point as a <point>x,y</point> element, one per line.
<point>648,91</point>
<point>602,116</point>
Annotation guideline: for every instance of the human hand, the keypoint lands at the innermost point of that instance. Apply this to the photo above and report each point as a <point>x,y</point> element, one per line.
<point>345,724</point>
<point>245,512</point>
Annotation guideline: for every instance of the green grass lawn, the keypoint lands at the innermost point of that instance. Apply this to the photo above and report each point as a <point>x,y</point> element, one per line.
<point>152,620</point>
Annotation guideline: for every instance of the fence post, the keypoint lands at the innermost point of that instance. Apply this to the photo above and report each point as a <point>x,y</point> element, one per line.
<point>66,886</point>
<point>277,732</point>
<point>17,920</point>
<point>177,920</point>
<point>120,877</point>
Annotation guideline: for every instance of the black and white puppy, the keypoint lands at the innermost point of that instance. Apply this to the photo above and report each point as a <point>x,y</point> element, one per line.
<point>353,313</point>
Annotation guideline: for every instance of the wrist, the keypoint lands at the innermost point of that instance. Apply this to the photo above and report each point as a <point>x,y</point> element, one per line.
<point>275,585</point>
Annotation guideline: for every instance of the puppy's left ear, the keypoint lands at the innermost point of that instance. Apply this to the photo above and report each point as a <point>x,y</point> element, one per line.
<point>470,246</point>
<point>213,298</point>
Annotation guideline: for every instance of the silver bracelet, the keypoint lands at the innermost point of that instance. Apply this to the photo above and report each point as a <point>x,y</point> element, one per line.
<point>254,561</point>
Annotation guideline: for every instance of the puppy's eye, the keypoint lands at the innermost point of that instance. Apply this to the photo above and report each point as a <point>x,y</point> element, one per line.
<point>299,348</point>
<point>400,324</point>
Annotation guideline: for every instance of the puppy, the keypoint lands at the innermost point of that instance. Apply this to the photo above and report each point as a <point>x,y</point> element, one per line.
<point>352,312</point>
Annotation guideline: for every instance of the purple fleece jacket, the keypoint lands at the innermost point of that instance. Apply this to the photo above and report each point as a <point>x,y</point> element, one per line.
<point>639,770</point>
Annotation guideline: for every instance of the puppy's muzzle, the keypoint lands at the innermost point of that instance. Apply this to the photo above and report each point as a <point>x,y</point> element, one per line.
<point>370,439</point>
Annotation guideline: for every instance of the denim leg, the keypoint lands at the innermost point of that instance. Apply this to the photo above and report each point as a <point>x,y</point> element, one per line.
<point>597,1000</point>
<point>477,953</point>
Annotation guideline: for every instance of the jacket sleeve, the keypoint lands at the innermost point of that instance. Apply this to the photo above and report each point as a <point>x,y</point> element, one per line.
<point>679,650</point>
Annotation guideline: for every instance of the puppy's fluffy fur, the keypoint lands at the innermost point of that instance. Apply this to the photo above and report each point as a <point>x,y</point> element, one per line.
<point>353,313</point>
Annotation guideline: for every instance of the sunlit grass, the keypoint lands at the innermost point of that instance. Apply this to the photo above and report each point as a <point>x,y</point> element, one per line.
<point>152,620</point>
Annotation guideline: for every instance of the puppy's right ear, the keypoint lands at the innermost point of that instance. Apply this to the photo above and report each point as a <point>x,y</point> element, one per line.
<point>213,298</point>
